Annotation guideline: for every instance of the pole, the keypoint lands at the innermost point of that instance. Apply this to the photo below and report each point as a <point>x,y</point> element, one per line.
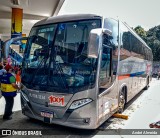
<point>0,50</point>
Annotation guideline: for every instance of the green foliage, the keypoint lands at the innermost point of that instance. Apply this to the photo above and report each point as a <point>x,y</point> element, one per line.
<point>141,32</point>
<point>152,38</point>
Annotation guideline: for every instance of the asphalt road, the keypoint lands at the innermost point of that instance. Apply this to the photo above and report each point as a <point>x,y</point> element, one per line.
<point>145,104</point>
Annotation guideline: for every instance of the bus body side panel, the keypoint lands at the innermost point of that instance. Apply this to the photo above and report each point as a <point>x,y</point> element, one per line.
<point>132,74</point>
<point>134,67</point>
<point>108,103</point>
<point>136,79</point>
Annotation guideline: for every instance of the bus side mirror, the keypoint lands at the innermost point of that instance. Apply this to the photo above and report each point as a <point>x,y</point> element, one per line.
<point>95,41</point>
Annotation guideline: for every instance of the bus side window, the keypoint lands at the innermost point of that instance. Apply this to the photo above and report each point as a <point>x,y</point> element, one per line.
<point>105,71</point>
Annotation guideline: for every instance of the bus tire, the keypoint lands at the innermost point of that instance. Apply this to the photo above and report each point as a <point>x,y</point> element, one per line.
<point>122,100</point>
<point>147,84</point>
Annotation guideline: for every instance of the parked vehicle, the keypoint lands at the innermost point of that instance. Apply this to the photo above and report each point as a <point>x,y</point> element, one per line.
<point>155,125</point>
<point>154,75</point>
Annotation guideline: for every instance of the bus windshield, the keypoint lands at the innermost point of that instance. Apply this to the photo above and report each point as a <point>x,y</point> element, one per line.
<point>56,57</point>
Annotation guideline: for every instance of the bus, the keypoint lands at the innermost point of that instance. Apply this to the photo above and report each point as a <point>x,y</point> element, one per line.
<point>78,70</point>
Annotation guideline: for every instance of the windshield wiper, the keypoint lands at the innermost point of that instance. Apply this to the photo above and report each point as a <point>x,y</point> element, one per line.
<point>61,72</point>
<point>38,68</point>
<point>57,67</point>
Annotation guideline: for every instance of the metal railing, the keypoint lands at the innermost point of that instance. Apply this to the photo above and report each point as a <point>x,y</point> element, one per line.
<point>15,56</point>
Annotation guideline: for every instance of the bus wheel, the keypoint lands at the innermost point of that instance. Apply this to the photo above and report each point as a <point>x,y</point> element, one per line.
<point>147,84</point>
<point>121,101</point>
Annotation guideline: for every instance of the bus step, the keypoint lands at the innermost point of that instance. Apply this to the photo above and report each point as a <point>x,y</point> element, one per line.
<point>120,116</point>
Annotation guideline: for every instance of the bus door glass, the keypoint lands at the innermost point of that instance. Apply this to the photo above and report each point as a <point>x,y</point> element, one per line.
<point>105,70</point>
<point>105,81</point>
<point>107,101</point>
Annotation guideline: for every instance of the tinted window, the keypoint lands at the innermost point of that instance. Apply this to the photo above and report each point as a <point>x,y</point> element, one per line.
<point>112,25</point>
<point>125,42</point>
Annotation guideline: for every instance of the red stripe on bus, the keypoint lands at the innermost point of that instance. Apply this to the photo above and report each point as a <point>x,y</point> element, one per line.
<point>123,76</point>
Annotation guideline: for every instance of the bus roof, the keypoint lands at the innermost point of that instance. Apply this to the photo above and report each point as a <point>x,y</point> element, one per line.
<point>74,17</point>
<point>69,17</point>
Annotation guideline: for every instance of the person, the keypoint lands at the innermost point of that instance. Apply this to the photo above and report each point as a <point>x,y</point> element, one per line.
<point>18,77</point>
<point>9,60</point>
<point>2,71</point>
<point>9,91</point>
<point>15,69</point>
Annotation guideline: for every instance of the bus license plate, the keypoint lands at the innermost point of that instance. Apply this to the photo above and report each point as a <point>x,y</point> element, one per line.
<point>47,114</point>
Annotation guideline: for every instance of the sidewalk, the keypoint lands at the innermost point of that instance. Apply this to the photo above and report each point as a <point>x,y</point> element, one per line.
<point>16,107</point>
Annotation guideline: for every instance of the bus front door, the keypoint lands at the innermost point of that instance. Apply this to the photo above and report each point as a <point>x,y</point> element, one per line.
<point>107,85</point>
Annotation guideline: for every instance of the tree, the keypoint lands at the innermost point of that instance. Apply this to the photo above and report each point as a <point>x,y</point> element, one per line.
<point>141,32</point>
<point>152,38</point>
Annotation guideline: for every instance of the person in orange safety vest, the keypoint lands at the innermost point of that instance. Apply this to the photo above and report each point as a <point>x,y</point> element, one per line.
<point>18,77</point>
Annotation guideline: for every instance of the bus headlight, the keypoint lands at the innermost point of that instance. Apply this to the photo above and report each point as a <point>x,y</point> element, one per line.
<point>79,103</point>
<point>25,96</point>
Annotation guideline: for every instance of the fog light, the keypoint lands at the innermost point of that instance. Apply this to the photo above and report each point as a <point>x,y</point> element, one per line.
<point>87,120</point>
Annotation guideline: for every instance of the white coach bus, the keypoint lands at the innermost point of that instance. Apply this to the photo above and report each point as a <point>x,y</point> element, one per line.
<point>78,70</point>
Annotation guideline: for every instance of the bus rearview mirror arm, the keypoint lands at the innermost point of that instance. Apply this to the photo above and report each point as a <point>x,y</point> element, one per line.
<point>9,42</point>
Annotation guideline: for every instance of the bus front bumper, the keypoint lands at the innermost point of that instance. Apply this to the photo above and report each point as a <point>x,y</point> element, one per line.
<point>70,118</point>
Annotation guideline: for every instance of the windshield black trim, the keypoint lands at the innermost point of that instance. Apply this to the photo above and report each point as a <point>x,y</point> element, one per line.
<point>69,22</point>
<point>68,18</point>
<point>58,89</point>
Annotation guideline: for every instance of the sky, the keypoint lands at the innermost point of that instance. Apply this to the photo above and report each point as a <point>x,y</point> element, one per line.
<point>145,13</point>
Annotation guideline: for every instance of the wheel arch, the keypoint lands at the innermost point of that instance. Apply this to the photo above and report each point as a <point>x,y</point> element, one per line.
<point>125,89</point>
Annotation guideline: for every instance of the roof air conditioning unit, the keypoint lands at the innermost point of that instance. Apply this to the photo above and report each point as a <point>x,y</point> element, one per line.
<point>15,2</point>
